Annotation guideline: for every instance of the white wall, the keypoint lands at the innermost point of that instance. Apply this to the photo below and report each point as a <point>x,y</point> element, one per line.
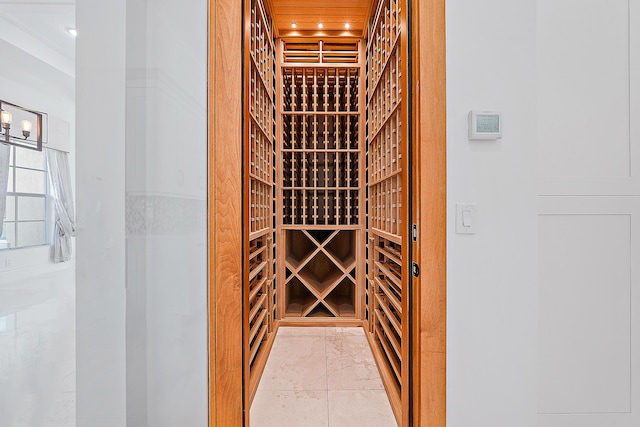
<point>589,156</point>
<point>492,300</point>
<point>37,297</point>
<point>101,302</point>
<point>543,313</point>
<point>166,225</point>
<point>142,289</point>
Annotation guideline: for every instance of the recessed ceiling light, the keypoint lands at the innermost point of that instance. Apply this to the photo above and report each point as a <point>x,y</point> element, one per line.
<point>320,25</point>
<point>72,31</point>
<point>347,25</point>
<point>294,25</point>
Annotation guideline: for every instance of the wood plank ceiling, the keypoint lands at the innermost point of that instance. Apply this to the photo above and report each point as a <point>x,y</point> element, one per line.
<point>338,17</point>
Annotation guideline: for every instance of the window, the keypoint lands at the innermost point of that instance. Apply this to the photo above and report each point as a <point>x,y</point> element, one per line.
<point>26,211</point>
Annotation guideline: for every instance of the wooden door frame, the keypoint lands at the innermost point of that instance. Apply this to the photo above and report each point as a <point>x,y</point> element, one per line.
<point>225,213</point>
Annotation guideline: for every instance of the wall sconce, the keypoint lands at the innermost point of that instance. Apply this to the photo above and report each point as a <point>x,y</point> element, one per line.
<point>10,114</point>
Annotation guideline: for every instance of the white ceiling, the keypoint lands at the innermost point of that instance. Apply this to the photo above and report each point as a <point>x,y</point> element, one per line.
<point>40,29</point>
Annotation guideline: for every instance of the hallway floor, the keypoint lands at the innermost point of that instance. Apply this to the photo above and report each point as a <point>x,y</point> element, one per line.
<point>321,377</point>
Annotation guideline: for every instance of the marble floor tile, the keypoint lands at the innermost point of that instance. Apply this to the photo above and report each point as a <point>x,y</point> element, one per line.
<point>307,363</point>
<point>332,331</point>
<point>38,351</point>
<point>350,364</point>
<point>360,408</point>
<point>289,409</point>
<point>293,331</point>
<point>296,363</point>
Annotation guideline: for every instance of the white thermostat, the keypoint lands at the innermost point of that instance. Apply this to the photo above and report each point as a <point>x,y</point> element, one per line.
<point>485,125</point>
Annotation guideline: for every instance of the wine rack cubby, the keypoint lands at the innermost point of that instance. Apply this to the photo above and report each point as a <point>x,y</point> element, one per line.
<point>320,273</point>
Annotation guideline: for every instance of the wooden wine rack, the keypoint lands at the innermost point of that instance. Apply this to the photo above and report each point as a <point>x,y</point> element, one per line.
<point>260,290</point>
<point>320,152</point>
<point>320,273</point>
<point>320,52</point>
<point>322,178</point>
<point>387,176</point>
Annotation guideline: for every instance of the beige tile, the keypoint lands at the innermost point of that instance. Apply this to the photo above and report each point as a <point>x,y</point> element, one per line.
<point>296,363</point>
<point>289,409</point>
<point>296,331</point>
<point>333,331</point>
<point>360,408</point>
<point>350,364</point>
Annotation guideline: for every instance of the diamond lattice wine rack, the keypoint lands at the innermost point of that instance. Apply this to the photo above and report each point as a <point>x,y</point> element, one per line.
<point>320,273</point>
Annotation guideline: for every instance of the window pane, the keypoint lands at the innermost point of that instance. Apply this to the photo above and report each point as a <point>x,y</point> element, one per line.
<point>31,208</point>
<point>10,188</point>
<point>30,233</point>
<point>28,181</point>
<point>9,233</point>
<point>10,209</point>
<point>29,158</point>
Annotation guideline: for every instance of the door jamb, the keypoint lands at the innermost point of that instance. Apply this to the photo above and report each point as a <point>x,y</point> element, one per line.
<point>429,304</point>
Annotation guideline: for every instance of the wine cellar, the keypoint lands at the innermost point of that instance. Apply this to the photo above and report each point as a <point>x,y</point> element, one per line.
<point>326,186</point>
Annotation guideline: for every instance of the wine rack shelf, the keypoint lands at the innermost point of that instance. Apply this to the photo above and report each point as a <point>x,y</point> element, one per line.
<point>259,292</point>
<point>260,281</point>
<point>385,290</point>
<point>320,273</point>
<point>320,52</point>
<point>321,130</point>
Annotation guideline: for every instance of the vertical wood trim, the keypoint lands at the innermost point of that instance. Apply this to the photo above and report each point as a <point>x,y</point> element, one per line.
<point>361,235</point>
<point>430,304</point>
<point>280,234</point>
<point>405,117</point>
<point>225,213</point>
<point>246,203</point>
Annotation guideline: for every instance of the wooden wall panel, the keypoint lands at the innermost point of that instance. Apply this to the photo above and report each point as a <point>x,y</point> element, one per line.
<point>225,213</point>
<point>429,202</point>
<point>308,13</point>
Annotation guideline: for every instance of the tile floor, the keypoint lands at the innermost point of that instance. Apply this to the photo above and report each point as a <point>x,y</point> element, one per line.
<point>321,377</point>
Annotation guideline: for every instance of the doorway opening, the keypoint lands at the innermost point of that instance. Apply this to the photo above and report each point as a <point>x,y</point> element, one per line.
<point>322,181</point>
<point>327,178</point>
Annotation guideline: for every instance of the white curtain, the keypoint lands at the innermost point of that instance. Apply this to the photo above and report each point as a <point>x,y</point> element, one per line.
<point>4,180</point>
<point>65,227</point>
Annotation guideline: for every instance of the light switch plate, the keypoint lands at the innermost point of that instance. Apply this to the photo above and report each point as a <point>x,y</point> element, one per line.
<point>466,213</point>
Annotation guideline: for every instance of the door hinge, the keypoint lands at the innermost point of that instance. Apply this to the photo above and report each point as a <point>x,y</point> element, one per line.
<point>414,232</point>
<point>415,269</point>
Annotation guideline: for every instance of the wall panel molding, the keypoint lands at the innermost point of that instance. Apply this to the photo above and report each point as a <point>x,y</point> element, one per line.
<point>589,308</point>
<point>588,55</point>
